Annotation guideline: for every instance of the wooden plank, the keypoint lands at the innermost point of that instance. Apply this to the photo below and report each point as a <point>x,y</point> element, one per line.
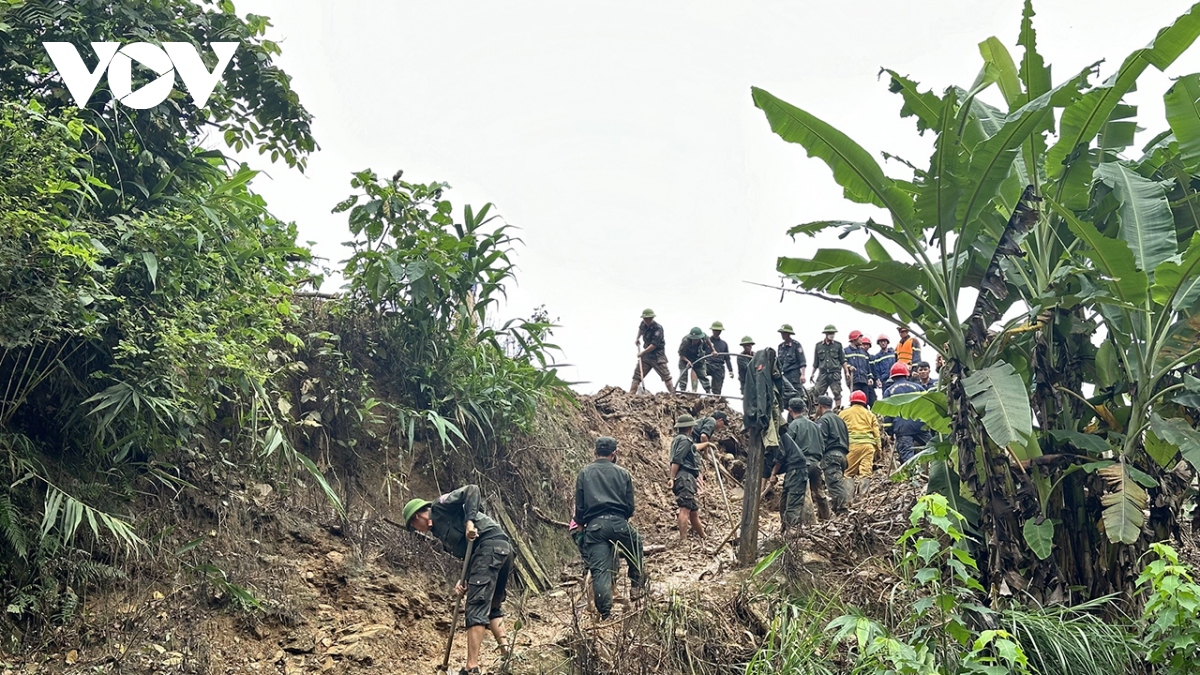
<point>527,564</point>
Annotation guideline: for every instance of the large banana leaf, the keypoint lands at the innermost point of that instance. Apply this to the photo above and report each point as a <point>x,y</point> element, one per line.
<point>925,106</point>
<point>929,407</point>
<point>1182,102</point>
<point>939,188</point>
<point>1179,434</point>
<point>1004,70</point>
<point>1179,346</point>
<point>1112,257</point>
<point>1147,224</point>
<point>853,167</point>
<point>1000,396</point>
<point>1034,73</point>
<point>1082,120</point>
<point>1123,504</point>
<point>1177,284</point>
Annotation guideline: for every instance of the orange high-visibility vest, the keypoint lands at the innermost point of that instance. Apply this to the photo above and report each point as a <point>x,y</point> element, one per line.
<point>904,351</point>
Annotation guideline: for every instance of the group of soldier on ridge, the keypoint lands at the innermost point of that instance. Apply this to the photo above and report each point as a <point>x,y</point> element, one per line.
<point>707,359</point>
<point>830,459</point>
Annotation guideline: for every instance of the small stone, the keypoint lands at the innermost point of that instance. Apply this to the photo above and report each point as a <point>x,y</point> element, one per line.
<point>335,557</point>
<point>72,657</point>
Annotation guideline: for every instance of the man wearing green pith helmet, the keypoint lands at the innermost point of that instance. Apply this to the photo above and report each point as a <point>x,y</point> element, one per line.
<point>829,360</point>
<point>719,362</point>
<point>652,353</point>
<point>454,519</point>
<point>694,347</point>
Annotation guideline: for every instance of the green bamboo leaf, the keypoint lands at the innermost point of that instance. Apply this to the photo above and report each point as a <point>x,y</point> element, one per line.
<point>1147,224</point>
<point>1002,399</point>
<point>1182,102</point>
<point>1123,503</point>
<point>853,167</point>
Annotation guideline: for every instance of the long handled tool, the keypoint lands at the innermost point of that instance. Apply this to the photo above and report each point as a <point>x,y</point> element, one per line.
<point>641,374</point>
<point>445,666</point>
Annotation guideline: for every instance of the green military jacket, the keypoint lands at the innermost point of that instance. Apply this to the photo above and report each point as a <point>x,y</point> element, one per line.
<point>829,356</point>
<point>683,453</point>
<point>834,433</point>
<point>450,514</point>
<point>704,426</point>
<point>799,444</point>
<point>603,488</point>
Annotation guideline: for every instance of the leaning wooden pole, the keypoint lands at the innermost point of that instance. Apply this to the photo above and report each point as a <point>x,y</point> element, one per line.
<point>748,540</point>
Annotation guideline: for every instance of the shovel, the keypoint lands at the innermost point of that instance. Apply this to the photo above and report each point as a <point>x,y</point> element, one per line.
<point>445,665</point>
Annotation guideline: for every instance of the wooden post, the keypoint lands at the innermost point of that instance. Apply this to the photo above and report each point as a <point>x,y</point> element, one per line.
<point>747,552</point>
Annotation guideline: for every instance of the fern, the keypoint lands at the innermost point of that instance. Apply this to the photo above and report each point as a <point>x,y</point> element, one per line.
<point>10,526</point>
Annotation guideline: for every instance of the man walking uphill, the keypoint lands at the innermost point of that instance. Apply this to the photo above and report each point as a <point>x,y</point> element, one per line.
<point>654,355</point>
<point>829,358</point>
<point>864,439</point>
<point>720,361</point>
<point>603,507</point>
<point>835,439</point>
<point>799,454</point>
<point>454,519</point>
<point>685,478</point>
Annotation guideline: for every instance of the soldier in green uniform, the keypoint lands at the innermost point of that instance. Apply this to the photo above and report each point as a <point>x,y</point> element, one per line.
<point>654,354</point>
<point>836,440</point>
<point>790,358</point>
<point>829,358</point>
<point>603,507</point>
<point>743,359</point>
<point>694,346</point>
<point>799,454</point>
<point>720,361</point>
<point>685,480</point>
<point>707,426</point>
<point>453,519</point>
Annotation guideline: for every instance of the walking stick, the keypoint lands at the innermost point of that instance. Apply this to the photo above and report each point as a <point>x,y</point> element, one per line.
<point>641,375</point>
<point>445,666</point>
<point>720,482</point>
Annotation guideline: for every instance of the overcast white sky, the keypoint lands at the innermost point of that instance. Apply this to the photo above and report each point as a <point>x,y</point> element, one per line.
<point>621,138</point>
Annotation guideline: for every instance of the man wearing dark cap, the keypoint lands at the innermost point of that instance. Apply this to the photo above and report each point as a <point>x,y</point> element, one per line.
<point>798,459</point>
<point>706,427</point>
<point>685,480</point>
<point>835,437</point>
<point>603,507</point>
<point>454,519</point>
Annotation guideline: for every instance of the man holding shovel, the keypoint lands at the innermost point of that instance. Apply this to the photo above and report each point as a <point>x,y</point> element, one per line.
<point>469,534</point>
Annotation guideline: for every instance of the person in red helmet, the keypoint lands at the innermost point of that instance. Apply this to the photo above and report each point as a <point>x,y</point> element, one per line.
<point>865,437</point>
<point>858,359</point>
<point>908,434</point>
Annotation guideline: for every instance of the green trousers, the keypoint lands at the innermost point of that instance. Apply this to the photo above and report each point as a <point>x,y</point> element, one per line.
<point>606,538</point>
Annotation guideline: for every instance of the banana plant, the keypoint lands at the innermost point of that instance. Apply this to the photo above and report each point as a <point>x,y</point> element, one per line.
<point>983,255</point>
